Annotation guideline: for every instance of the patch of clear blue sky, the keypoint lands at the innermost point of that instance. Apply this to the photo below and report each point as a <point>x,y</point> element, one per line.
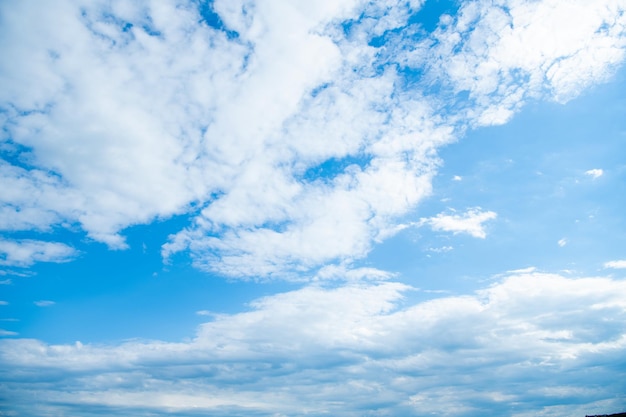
<point>331,168</point>
<point>431,11</point>
<point>212,19</point>
<point>108,295</point>
<point>531,171</point>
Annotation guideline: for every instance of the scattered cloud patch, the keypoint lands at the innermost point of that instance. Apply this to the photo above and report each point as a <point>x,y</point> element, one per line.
<point>4,333</point>
<point>562,242</point>
<point>23,253</point>
<point>470,222</point>
<point>442,249</point>
<point>594,173</point>
<point>44,303</point>
<point>457,178</point>
<point>621,264</point>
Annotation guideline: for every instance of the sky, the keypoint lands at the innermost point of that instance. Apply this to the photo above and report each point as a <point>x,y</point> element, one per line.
<point>329,208</point>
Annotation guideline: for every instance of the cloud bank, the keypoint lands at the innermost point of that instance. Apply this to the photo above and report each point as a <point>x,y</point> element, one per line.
<point>523,346</point>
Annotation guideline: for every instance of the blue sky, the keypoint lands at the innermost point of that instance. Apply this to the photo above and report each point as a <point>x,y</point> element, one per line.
<point>346,208</point>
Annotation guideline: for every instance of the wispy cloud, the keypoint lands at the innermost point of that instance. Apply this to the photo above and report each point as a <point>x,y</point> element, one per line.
<point>361,346</point>
<point>621,264</point>
<point>44,303</point>
<point>204,313</point>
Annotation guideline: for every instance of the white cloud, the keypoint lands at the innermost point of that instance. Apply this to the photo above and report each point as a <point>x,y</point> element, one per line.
<point>562,242</point>
<point>595,173</point>
<point>508,51</point>
<point>343,272</point>
<point>530,337</point>
<point>457,178</point>
<point>121,114</point>
<point>7,333</point>
<point>25,252</point>
<point>621,264</point>
<point>44,303</point>
<point>3,303</point>
<point>470,222</point>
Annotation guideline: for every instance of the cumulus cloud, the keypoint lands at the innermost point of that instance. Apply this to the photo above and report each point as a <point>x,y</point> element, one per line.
<point>116,114</point>
<point>535,339</point>
<point>470,222</point>
<point>26,252</point>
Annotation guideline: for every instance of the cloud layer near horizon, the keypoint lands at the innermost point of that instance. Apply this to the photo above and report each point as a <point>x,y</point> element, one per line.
<point>297,134</point>
<point>520,347</point>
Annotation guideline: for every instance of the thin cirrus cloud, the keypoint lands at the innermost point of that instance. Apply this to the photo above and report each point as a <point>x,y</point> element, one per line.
<point>68,75</point>
<point>44,303</point>
<point>535,340</point>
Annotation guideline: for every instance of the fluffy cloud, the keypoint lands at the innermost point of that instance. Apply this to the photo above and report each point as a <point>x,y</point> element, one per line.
<point>470,222</point>
<point>528,342</point>
<point>595,173</point>
<point>293,134</point>
<point>26,252</point>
